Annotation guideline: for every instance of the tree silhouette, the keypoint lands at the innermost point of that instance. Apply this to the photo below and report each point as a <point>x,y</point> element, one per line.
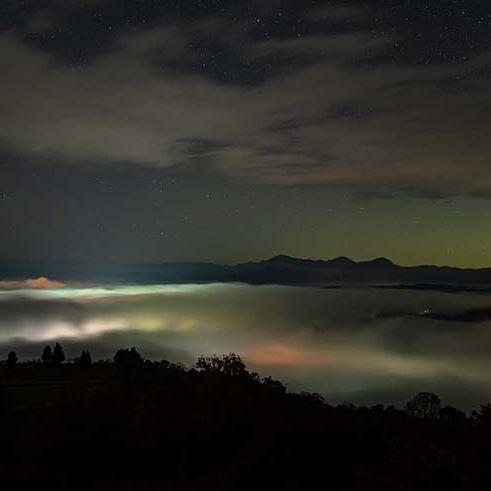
<point>230,364</point>
<point>47,355</point>
<point>85,359</point>
<point>424,405</point>
<point>275,385</point>
<point>482,418</point>
<point>128,358</point>
<point>58,355</point>
<point>451,415</point>
<point>12,359</point>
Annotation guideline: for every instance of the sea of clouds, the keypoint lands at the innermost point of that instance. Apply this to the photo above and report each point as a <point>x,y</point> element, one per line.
<point>350,344</point>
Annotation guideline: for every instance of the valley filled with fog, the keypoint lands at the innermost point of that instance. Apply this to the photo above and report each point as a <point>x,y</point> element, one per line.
<point>359,345</point>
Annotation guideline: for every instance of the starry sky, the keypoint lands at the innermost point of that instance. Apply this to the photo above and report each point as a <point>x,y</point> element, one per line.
<point>234,130</point>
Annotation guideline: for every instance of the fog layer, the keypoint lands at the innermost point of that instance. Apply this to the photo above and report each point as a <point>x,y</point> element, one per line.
<point>350,344</point>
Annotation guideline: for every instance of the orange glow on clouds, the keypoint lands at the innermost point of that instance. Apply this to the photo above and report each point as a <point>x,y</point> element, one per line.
<point>40,283</point>
<point>43,283</point>
<point>287,355</point>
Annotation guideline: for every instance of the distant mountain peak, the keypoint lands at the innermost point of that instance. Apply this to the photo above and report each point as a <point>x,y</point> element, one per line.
<point>283,258</point>
<point>380,261</point>
<point>342,261</point>
<point>337,261</point>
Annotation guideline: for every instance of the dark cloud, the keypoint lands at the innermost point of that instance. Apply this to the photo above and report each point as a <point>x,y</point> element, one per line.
<point>313,115</point>
<point>474,315</point>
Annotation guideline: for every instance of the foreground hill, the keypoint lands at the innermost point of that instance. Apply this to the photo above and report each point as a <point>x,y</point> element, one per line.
<point>149,425</point>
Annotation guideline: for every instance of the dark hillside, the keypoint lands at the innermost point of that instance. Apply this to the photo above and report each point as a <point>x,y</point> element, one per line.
<point>147,425</point>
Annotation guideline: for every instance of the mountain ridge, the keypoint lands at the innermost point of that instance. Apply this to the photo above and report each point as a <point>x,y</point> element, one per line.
<point>279,269</point>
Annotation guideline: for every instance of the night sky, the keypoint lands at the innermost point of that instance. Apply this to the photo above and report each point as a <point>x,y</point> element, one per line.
<point>226,131</point>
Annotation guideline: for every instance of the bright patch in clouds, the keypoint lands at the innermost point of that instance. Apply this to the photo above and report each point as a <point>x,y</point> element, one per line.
<point>40,283</point>
<point>43,282</point>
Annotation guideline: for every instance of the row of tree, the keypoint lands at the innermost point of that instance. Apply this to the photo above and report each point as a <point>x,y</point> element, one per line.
<point>51,357</point>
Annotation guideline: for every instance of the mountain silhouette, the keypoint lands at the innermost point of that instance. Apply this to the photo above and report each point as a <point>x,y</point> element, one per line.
<point>280,269</point>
